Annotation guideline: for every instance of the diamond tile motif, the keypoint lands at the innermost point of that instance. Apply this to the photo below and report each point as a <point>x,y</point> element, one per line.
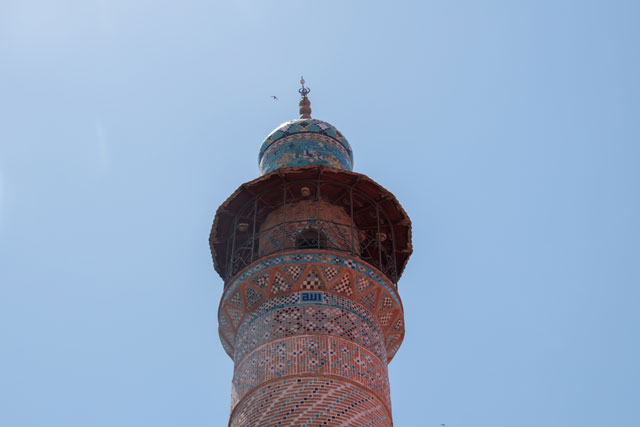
<point>312,281</point>
<point>363,284</point>
<point>236,299</point>
<point>261,281</point>
<point>234,315</point>
<point>280,284</point>
<point>353,286</point>
<point>294,271</point>
<point>398,325</point>
<point>324,260</point>
<point>253,297</point>
<point>387,302</point>
<point>385,318</point>
<point>344,286</point>
<point>330,273</point>
<point>369,300</point>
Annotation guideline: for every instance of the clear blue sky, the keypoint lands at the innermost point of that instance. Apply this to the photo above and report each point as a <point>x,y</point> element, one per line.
<point>509,130</point>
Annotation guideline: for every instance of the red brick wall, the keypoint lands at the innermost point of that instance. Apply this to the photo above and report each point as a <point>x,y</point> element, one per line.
<point>331,220</point>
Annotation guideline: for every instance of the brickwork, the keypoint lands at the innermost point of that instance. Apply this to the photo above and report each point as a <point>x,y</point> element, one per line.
<point>264,303</point>
<point>310,401</point>
<point>311,333</point>
<point>330,221</point>
<point>289,316</point>
<point>304,315</point>
<point>311,354</point>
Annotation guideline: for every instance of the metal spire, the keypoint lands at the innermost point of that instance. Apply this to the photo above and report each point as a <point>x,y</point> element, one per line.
<point>305,104</point>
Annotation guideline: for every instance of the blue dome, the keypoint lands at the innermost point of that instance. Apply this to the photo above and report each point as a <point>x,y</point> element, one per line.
<point>303,142</point>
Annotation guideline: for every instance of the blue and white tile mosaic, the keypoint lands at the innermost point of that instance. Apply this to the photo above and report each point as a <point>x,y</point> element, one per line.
<point>305,142</point>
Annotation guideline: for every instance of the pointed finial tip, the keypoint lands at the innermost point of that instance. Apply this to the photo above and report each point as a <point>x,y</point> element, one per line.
<point>305,108</point>
<point>304,91</point>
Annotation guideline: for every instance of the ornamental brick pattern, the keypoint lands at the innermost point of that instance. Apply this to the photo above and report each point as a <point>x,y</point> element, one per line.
<point>288,316</point>
<point>305,315</point>
<point>311,354</point>
<point>362,305</point>
<point>310,401</point>
<point>310,312</point>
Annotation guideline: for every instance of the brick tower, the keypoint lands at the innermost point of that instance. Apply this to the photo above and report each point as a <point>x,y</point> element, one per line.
<point>310,253</point>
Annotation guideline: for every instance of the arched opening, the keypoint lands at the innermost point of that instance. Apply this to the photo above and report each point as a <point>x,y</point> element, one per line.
<point>311,238</point>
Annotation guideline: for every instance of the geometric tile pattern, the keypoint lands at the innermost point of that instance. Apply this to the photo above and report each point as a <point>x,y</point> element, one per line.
<point>303,142</point>
<point>236,299</point>
<point>339,317</point>
<point>369,300</point>
<point>312,281</point>
<point>398,325</point>
<point>330,273</point>
<point>313,257</point>
<point>261,281</point>
<point>234,315</point>
<point>385,318</point>
<point>294,271</point>
<point>280,284</point>
<point>363,284</point>
<point>387,302</point>
<point>368,293</point>
<point>344,286</point>
<point>304,126</point>
<point>310,401</point>
<point>253,296</point>
<point>304,150</point>
<point>302,355</point>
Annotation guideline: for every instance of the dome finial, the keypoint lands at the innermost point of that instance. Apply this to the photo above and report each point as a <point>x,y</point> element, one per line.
<point>305,104</point>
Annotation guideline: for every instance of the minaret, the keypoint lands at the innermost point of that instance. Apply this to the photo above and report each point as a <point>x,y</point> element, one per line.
<point>310,253</point>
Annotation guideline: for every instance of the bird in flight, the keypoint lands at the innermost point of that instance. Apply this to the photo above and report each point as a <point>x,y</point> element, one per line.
<point>274,97</point>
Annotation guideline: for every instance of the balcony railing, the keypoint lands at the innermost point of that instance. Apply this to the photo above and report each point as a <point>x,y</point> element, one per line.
<point>311,234</point>
<point>364,231</point>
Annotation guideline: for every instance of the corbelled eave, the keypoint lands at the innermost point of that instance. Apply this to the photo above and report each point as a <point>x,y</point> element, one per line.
<point>388,203</point>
